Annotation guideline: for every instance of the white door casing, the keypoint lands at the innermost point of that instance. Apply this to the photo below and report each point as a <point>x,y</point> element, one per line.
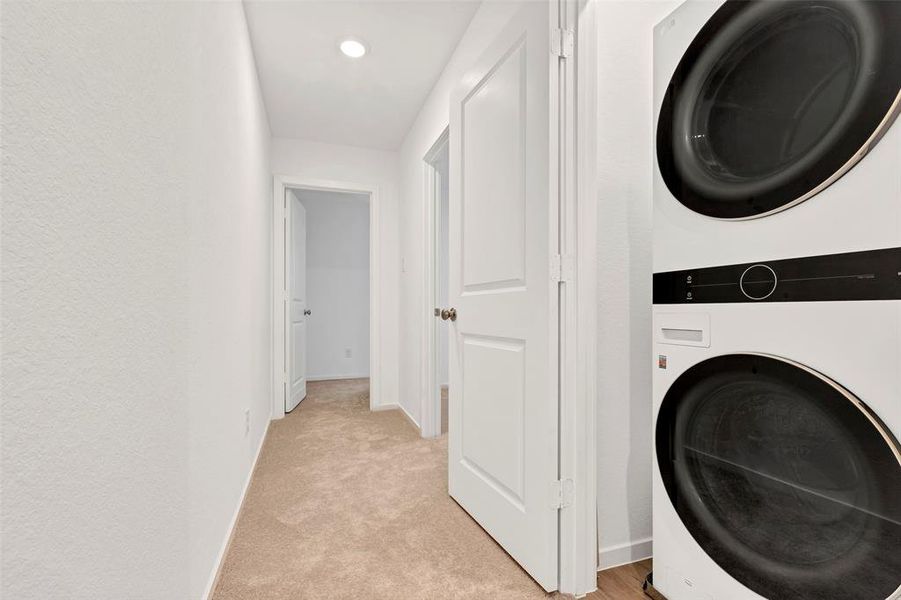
<point>297,303</point>
<point>281,275</point>
<point>503,434</point>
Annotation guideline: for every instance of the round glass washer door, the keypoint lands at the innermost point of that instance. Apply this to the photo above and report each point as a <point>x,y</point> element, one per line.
<point>775,100</point>
<point>786,480</point>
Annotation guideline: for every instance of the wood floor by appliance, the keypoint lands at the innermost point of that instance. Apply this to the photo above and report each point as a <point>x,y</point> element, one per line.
<point>623,583</point>
<point>348,503</point>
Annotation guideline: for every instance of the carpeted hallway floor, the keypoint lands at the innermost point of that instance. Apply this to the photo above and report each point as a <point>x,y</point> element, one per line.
<point>347,503</point>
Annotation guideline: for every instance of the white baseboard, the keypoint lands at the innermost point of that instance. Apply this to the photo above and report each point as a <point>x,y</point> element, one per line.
<point>623,554</point>
<point>395,406</point>
<point>410,419</point>
<point>336,377</point>
<point>214,576</point>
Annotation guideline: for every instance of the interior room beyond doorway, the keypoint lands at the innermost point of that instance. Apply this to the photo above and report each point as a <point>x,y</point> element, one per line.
<point>329,274</point>
<point>437,163</point>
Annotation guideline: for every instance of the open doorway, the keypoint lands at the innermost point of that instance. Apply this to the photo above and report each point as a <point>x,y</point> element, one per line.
<point>325,282</point>
<point>436,363</point>
<point>328,332</point>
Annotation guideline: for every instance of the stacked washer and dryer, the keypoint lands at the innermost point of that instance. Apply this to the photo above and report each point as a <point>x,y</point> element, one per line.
<point>777,301</point>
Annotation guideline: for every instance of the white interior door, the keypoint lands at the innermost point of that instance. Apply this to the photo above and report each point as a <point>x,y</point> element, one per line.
<point>503,453</point>
<point>297,302</point>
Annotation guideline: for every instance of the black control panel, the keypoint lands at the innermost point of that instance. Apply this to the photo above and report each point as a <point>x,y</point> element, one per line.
<point>869,275</point>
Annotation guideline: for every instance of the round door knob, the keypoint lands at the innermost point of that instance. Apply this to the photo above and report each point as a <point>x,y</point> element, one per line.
<point>449,314</point>
<point>307,312</point>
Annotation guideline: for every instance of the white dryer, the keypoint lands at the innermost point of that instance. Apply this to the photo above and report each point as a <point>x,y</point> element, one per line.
<point>774,130</point>
<point>777,405</point>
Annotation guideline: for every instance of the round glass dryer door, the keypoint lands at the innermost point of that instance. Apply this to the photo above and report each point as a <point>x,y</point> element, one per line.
<point>775,100</point>
<point>786,480</point>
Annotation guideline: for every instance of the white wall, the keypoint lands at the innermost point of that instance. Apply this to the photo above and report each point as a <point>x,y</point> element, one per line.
<point>136,278</point>
<point>625,160</point>
<point>427,128</point>
<point>315,160</point>
<point>337,283</point>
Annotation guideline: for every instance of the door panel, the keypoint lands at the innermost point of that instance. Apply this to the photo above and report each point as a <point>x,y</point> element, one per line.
<point>503,231</point>
<point>493,203</point>
<point>493,395</point>
<point>297,265</point>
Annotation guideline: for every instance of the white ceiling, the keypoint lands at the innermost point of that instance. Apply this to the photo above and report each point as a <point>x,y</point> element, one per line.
<point>314,92</point>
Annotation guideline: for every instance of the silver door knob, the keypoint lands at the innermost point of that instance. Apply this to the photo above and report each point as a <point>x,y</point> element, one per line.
<point>307,312</point>
<point>449,314</point>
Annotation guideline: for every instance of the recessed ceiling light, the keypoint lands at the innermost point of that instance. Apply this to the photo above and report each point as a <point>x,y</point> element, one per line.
<point>353,48</point>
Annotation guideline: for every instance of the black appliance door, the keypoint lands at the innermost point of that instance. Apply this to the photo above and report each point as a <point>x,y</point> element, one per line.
<point>786,480</point>
<point>775,100</point>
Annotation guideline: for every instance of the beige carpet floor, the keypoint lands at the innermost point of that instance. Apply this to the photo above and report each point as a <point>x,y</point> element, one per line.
<point>346,503</point>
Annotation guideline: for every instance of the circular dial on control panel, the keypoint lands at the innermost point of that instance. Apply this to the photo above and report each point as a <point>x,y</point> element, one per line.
<point>758,282</point>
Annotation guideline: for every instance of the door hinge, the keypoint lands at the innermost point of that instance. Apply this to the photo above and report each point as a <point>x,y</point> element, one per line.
<point>562,267</point>
<point>562,42</point>
<point>561,493</point>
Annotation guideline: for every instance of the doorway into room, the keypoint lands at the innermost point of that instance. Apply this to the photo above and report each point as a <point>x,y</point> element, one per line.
<point>328,328</point>
<point>437,211</point>
<point>324,313</point>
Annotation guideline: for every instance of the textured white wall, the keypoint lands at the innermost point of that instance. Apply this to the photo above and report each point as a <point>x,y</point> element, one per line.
<point>625,160</point>
<point>431,121</point>
<point>135,254</point>
<point>314,160</point>
<point>337,283</point>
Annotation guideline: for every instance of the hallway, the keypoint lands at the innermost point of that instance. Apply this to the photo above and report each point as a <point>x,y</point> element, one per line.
<point>347,503</point>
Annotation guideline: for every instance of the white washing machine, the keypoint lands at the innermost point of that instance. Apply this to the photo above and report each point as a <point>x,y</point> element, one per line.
<point>777,405</point>
<point>775,130</point>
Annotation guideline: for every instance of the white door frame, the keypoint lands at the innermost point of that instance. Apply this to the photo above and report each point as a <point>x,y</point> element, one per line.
<point>280,184</point>
<point>578,302</point>
<point>430,420</point>
<point>579,307</point>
